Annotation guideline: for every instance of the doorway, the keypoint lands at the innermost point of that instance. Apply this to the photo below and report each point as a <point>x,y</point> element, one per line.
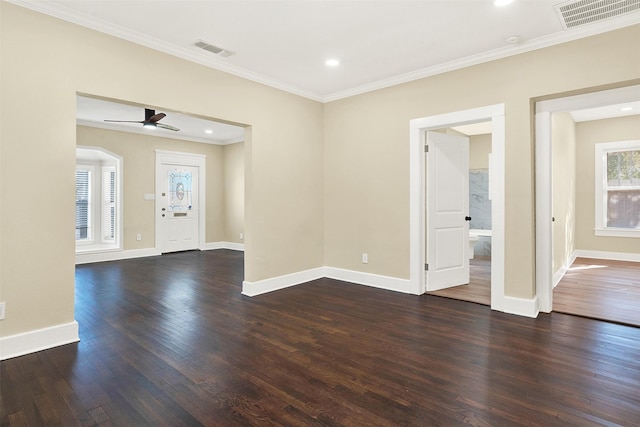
<point>218,199</point>
<point>545,273</point>
<point>477,239</point>
<point>180,196</point>
<point>417,226</point>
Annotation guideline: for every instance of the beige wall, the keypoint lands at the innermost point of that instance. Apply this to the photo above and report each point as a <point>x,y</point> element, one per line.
<point>139,162</point>
<point>588,134</point>
<point>479,150</point>
<point>324,183</point>
<point>283,155</point>
<point>563,151</point>
<point>234,192</point>
<point>367,148</point>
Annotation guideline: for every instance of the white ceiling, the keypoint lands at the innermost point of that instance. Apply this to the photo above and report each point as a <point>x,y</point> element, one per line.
<point>285,43</point>
<point>93,112</point>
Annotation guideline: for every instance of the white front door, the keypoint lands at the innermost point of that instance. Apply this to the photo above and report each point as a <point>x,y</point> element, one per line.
<point>447,211</point>
<point>178,207</point>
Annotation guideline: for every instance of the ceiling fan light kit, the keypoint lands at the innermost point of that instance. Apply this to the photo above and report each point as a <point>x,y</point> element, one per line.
<point>150,121</point>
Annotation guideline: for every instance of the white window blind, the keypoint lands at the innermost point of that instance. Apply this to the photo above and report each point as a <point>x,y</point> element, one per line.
<point>83,204</point>
<point>108,204</point>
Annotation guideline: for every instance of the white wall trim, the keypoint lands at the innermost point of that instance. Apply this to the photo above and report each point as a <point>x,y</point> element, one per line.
<point>612,256</point>
<point>417,127</point>
<point>89,257</point>
<point>558,275</point>
<point>276,283</point>
<point>38,340</point>
<point>369,279</point>
<point>224,245</point>
<point>70,15</point>
<point>521,306</point>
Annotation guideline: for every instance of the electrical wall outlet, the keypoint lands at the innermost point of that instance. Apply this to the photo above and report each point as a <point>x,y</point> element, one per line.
<point>241,236</point>
<point>2,309</point>
<point>365,258</point>
<point>138,237</point>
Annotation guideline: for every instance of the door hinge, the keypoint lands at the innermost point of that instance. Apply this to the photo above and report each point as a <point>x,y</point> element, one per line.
<point>426,148</point>
<point>426,267</point>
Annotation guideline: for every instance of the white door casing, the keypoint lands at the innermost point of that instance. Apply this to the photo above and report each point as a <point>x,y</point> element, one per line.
<point>543,159</point>
<point>417,128</point>
<point>180,201</point>
<point>447,210</point>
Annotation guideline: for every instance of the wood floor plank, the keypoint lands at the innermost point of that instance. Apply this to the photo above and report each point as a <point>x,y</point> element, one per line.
<point>600,289</point>
<point>170,341</point>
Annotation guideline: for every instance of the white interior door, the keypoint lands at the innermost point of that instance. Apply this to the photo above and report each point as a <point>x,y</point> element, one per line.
<point>447,199</point>
<point>178,214</point>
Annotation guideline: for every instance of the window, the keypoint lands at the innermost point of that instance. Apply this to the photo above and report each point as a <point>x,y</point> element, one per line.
<point>617,189</point>
<point>83,213</point>
<point>98,207</point>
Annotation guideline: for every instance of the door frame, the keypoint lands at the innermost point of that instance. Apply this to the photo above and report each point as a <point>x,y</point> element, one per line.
<point>417,170</point>
<point>543,179</point>
<point>176,158</point>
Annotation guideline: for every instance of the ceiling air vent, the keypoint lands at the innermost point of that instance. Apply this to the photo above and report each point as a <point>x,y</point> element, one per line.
<point>215,49</point>
<point>576,13</point>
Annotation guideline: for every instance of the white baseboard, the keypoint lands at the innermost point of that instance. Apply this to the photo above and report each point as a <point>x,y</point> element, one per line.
<point>224,245</point>
<point>368,279</point>
<point>38,340</point>
<point>89,257</point>
<point>276,283</point>
<point>613,256</point>
<point>521,306</point>
<point>85,258</point>
<point>563,270</point>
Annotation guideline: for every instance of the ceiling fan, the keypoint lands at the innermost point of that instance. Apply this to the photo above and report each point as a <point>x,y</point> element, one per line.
<point>151,120</point>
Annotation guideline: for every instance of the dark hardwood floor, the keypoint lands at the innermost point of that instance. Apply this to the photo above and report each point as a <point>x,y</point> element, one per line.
<point>601,289</point>
<point>478,289</point>
<point>170,341</point>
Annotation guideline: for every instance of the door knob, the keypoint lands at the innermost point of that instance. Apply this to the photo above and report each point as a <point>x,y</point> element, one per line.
<point>163,209</point>
<point>467,218</point>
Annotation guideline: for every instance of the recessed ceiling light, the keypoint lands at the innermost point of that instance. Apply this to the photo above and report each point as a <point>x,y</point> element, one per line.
<point>208,131</point>
<point>332,62</point>
<point>626,109</point>
<point>513,39</point>
<point>501,3</point>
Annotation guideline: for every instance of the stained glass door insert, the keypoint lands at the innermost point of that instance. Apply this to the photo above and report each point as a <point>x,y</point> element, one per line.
<point>180,191</point>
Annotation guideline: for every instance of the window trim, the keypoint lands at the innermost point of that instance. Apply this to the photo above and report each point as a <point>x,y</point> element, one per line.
<point>600,193</point>
<point>101,160</point>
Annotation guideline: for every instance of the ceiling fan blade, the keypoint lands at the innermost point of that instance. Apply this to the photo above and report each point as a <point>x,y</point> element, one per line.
<point>156,117</point>
<point>169,127</point>
<point>124,121</point>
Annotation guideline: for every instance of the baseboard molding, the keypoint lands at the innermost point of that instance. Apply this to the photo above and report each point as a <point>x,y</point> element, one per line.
<point>252,289</point>
<point>224,245</point>
<point>612,256</point>
<point>521,306</point>
<point>563,270</point>
<point>89,257</point>
<point>38,340</point>
<point>85,258</point>
<point>369,279</point>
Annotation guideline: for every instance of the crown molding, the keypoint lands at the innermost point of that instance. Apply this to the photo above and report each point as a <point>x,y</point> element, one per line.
<point>492,55</point>
<point>58,11</point>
